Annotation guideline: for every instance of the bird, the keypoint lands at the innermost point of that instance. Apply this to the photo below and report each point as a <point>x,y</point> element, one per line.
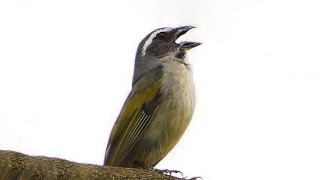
<point>160,105</point>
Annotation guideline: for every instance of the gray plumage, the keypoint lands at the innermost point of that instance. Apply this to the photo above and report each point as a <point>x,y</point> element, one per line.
<point>160,105</point>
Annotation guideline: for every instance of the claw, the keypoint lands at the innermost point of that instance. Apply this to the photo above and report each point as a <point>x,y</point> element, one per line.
<point>168,171</point>
<point>143,165</point>
<point>195,178</point>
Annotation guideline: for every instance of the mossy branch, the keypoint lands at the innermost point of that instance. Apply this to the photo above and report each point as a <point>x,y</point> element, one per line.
<point>14,165</point>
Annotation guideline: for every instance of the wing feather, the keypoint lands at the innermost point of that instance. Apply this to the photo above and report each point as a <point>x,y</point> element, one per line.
<point>136,114</point>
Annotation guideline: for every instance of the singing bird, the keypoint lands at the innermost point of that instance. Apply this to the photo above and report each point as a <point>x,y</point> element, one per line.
<point>160,105</point>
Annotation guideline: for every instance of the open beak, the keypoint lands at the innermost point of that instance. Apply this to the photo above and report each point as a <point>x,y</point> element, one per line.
<point>179,31</point>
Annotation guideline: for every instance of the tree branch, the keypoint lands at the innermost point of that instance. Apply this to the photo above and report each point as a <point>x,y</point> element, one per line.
<point>14,165</point>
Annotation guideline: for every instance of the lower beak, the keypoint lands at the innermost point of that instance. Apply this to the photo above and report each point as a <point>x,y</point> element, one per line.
<point>189,45</point>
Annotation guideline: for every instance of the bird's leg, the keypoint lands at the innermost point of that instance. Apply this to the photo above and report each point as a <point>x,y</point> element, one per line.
<point>168,171</point>
<point>143,165</point>
<point>162,171</point>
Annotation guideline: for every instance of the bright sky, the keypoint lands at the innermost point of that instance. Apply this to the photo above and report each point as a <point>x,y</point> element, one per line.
<point>66,69</point>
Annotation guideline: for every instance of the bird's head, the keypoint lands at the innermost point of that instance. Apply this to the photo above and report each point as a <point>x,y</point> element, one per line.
<point>161,44</point>
<point>160,47</point>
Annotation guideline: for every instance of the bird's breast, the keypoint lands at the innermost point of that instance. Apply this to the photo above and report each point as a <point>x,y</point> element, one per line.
<point>174,112</point>
<point>177,83</point>
<point>178,102</point>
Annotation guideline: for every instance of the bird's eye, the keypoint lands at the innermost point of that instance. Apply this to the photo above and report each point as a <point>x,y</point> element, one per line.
<point>162,36</point>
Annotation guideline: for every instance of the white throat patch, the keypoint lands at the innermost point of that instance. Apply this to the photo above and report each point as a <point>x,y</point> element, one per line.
<point>150,39</point>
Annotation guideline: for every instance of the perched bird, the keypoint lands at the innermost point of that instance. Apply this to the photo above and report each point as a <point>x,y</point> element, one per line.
<point>160,105</point>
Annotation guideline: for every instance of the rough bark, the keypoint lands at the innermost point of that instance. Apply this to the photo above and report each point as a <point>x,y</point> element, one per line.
<point>14,165</point>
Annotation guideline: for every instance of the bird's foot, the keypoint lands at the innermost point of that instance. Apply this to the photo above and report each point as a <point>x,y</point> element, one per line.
<point>143,165</point>
<point>168,172</point>
<point>162,171</point>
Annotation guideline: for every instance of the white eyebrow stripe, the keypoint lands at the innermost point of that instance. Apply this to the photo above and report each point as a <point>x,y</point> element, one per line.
<point>150,39</point>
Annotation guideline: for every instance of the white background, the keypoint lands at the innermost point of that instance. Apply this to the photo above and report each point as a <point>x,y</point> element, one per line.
<point>66,69</point>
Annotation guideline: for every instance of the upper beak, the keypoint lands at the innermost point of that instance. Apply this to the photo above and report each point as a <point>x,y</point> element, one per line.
<point>179,31</point>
